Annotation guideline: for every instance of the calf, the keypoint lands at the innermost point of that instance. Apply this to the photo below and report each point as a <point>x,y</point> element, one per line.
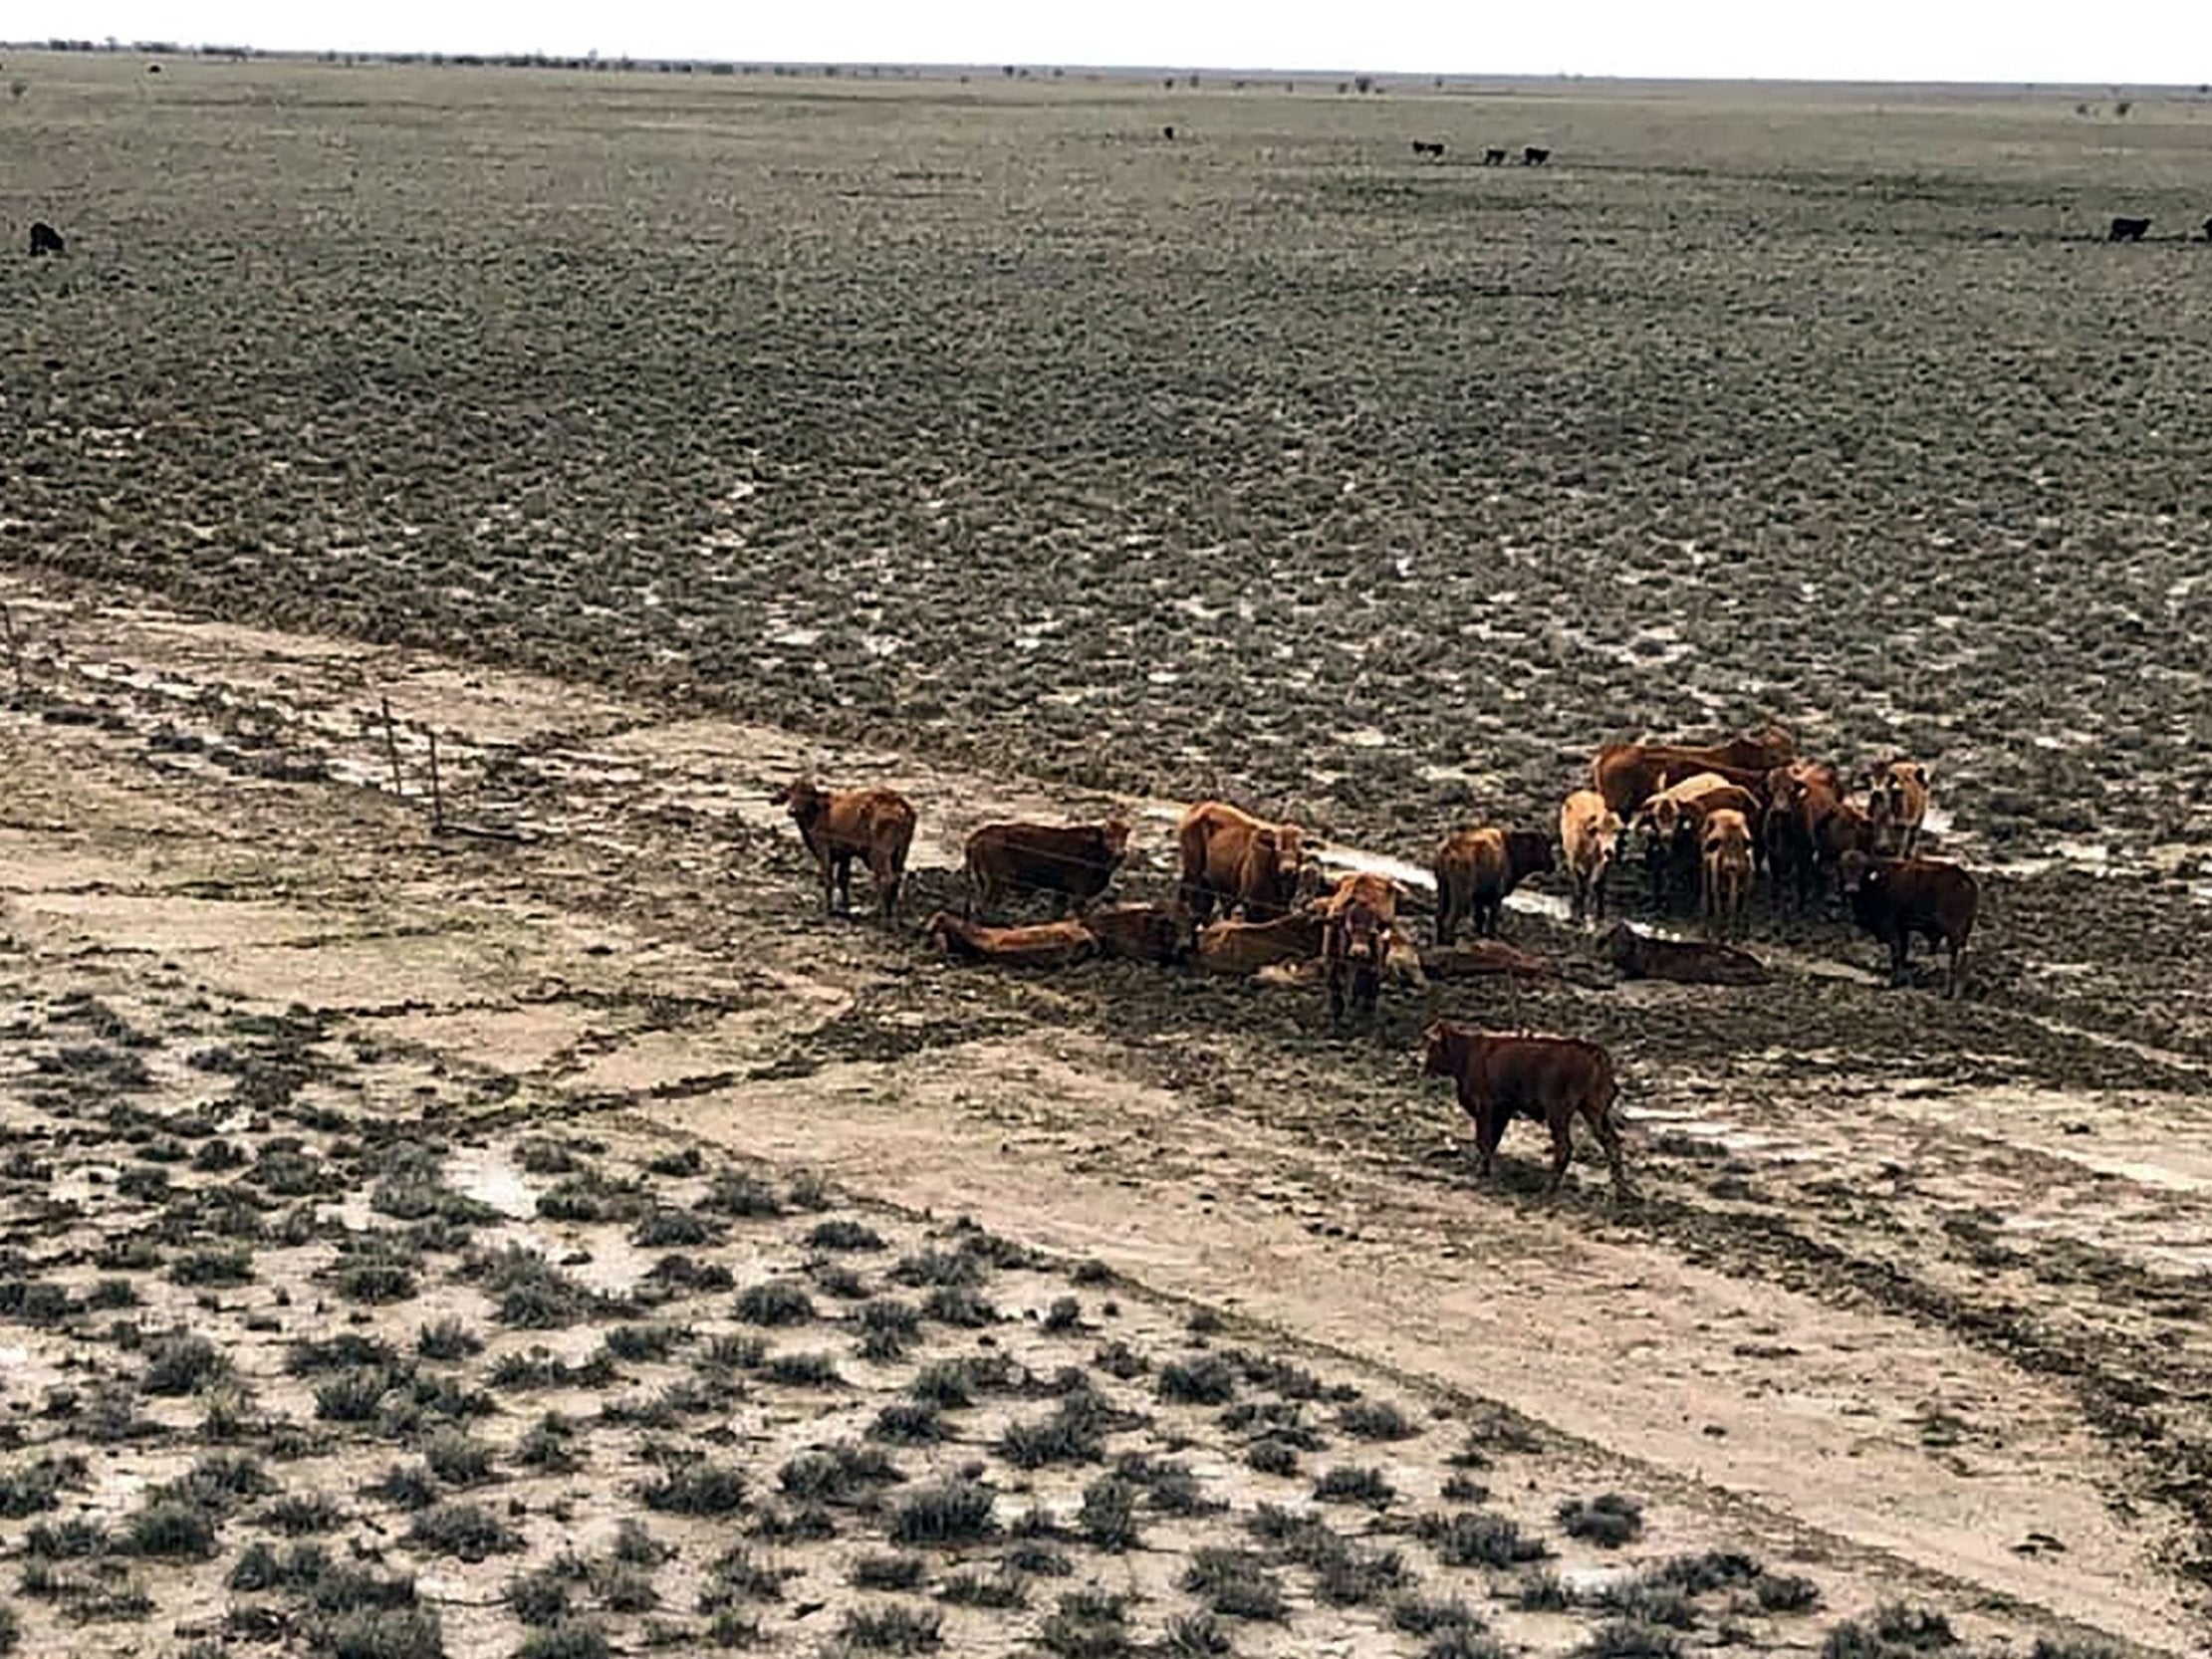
<point>1672,826</point>
<point>1896,808</point>
<point>1686,960</point>
<point>1247,947</point>
<point>1155,933</point>
<point>1237,860</point>
<point>1725,864</point>
<point>1589,834</point>
<point>1357,922</point>
<point>1894,898</point>
<point>1477,869</point>
<point>1071,861</point>
<point>2127,230</point>
<point>1039,945</point>
<point>44,239</point>
<point>1553,1079</point>
<point>840,826</point>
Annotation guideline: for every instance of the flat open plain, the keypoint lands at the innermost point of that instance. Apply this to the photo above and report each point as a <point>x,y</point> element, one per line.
<point>650,437</point>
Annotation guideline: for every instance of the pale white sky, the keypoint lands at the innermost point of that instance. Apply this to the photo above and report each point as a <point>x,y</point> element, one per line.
<point>2073,41</point>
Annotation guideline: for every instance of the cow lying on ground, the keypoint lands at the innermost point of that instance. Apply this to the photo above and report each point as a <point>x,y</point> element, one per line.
<point>1477,869</point>
<point>1626,773</point>
<point>1686,961</point>
<point>840,826</point>
<point>44,239</point>
<point>1724,863</point>
<point>1589,832</point>
<point>2127,230</point>
<point>1553,1079</point>
<point>1071,861</point>
<point>1479,957</point>
<point>1896,898</point>
<point>1155,933</point>
<point>1039,945</point>
<point>1896,808</point>
<point>1239,861</point>
<point>1247,947</point>
<point>1355,937</point>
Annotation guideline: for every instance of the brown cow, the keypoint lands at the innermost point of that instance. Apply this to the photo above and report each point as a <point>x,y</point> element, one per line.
<point>1896,808</point>
<point>1479,957</point>
<point>1039,945</point>
<point>1155,933</point>
<point>1589,834</point>
<point>1477,869</point>
<point>1725,862</point>
<point>1239,860</point>
<point>1357,922</point>
<point>1626,773</point>
<point>1672,826</point>
<point>1071,861</point>
<point>1686,961</point>
<point>1894,898</point>
<point>1801,799</point>
<point>1553,1079</point>
<point>1247,947</point>
<point>840,826</point>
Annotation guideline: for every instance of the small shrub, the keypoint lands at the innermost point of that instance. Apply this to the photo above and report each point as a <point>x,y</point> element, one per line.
<point>1644,1600</point>
<point>1194,1636</point>
<point>885,1572</point>
<point>447,1339</point>
<point>351,1396</point>
<point>1272,1457</point>
<point>1608,1521</point>
<point>1465,1644</point>
<point>464,1529</point>
<point>945,1513</point>
<point>1197,1379</point>
<point>958,1304</point>
<point>549,1444</point>
<point>1422,1615</point>
<point>931,1266</point>
<point>1786,1593</point>
<point>1891,1631</point>
<point>386,1633</point>
<point>892,1628</point>
<point>839,1232</point>
<point>637,1343</point>
<point>1108,1516</point>
<point>1376,1420</point>
<point>803,1371</point>
<point>695,1489</point>
<point>566,1639</point>
<point>456,1459</point>
<point>1626,1639</point>
<point>1542,1592</point>
<point>1355,1484</point>
<point>182,1364</point>
<point>36,1487</point>
<point>835,1279</point>
<point>732,1192</point>
<point>778,1301</point>
<point>999,1591</point>
<point>672,1229</point>
<point>842,1474</point>
<point>907,1423</point>
<point>738,1576</point>
<point>1479,1537</point>
<point>171,1528</point>
<point>1235,1583</point>
<point>953,1385</point>
<point>539,1597</point>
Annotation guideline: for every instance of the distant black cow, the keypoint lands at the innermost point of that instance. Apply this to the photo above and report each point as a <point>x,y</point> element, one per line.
<point>1424,146</point>
<point>2127,230</point>
<point>1896,898</point>
<point>44,239</point>
<point>2208,230</point>
<point>1493,157</point>
<point>1535,157</point>
<point>1167,132</point>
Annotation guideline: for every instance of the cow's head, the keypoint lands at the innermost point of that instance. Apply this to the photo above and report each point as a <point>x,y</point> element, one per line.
<point>1289,853</point>
<point>800,797</point>
<point>1857,871</point>
<point>1365,935</point>
<point>1115,834</point>
<point>1440,1045</point>
<point>1661,818</point>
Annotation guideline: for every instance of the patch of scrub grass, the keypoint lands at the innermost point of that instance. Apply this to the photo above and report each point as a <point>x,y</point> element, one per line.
<point>945,1514</point>
<point>1607,1521</point>
<point>464,1529</point>
<point>1236,1583</point>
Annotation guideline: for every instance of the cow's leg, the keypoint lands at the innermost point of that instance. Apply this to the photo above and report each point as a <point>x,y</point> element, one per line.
<point>1336,978</point>
<point>1899,944</point>
<point>887,879</point>
<point>828,867</point>
<point>841,876</point>
<point>1609,1136</point>
<point>1952,978</point>
<point>1447,916</point>
<point>1597,894</point>
<point>1563,1148</point>
<point>1489,1129</point>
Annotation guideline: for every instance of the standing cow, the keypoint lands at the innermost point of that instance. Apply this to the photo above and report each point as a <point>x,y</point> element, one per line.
<point>1897,794</point>
<point>1553,1079</point>
<point>1896,898</point>
<point>1071,861</point>
<point>1589,834</point>
<point>1237,860</point>
<point>1357,922</point>
<point>1475,871</point>
<point>1724,863</point>
<point>840,826</point>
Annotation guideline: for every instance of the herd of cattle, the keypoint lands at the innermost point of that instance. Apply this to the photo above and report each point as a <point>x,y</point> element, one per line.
<point>1707,822</point>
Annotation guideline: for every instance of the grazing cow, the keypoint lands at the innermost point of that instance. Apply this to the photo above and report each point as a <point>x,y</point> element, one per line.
<point>1238,861</point>
<point>1356,936</point>
<point>1039,945</point>
<point>1686,960</point>
<point>2127,230</point>
<point>1626,773</point>
<point>1071,861</point>
<point>1477,869</point>
<point>1725,861</point>
<point>1589,834</point>
<point>1167,132</point>
<point>1247,947</point>
<point>1155,933</point>
<point>1493,157</point>
<point>1435,148</point>
<point>1672,826</point>
<point>1896,807</point>
<point>1553,1079</point>
<point>1894,898</point>
<point>1533,156</point>
<point>44,239</point>
<point>840,826</point>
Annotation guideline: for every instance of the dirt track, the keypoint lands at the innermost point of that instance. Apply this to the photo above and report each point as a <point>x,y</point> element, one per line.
<point>1921,1289</point>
